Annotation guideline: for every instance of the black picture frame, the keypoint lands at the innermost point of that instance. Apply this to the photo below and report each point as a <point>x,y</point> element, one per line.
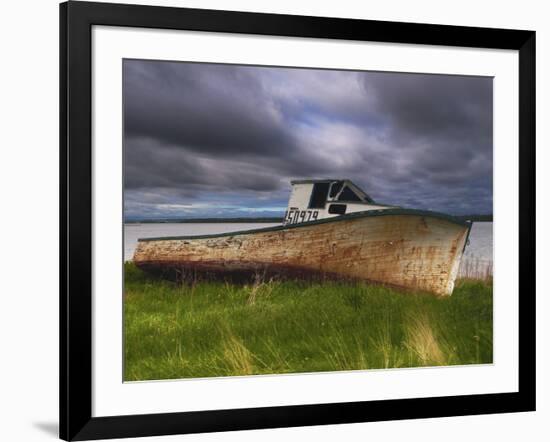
<point>76,21</point>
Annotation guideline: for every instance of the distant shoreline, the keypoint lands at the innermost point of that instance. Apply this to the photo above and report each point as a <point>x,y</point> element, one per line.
<point>475,218</point>
<point>206,220</point>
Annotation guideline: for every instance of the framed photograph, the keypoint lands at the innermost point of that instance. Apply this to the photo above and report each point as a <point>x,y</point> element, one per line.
<point>272,221</point>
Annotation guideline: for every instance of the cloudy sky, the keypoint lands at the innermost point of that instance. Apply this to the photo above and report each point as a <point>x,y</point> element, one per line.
<point>210,140</point>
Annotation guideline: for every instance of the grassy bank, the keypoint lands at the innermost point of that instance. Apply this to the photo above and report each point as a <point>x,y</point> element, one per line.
<point>220,329</point>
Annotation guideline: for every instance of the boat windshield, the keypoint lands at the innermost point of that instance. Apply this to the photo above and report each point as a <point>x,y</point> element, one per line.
<point>348,195</point>
<point>335,188</point>
<point>319,196</point>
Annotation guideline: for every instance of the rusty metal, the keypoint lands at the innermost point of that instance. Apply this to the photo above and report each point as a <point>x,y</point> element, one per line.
<point>417,252</point>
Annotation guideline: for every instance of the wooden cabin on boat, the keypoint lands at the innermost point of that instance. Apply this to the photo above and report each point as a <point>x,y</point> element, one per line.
<point>312,200</point>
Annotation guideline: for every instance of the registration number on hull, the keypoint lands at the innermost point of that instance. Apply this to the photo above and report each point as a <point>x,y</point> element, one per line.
<point>295,216</point>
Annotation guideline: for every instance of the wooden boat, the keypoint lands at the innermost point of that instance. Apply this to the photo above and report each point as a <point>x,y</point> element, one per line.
<point>407,248</point>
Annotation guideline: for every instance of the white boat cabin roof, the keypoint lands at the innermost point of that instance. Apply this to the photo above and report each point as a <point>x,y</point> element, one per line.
<point>313,199</point>
<point>337,190</point>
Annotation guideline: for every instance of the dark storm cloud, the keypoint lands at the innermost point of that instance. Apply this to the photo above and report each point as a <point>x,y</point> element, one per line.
<point>204,107</point>
<point>446,120</point>
<point>152,164</point>
<point>428,105</point>
<point>211,140</point>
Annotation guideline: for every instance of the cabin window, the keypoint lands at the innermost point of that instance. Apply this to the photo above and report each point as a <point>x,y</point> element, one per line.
<point>348,195</point>
<point>319,196</point>
<point>335,188</point>
<point>337,209</point>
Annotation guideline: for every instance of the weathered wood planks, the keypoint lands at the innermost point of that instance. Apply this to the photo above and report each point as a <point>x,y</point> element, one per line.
<point>407,250</point>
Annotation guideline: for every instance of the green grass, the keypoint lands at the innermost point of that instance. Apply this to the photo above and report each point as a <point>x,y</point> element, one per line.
<point>222,329</point>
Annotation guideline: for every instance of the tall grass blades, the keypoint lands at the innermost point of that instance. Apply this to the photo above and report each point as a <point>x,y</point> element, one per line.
<point>205,329</point>
<point>473,268</point>
<point>423,342</point>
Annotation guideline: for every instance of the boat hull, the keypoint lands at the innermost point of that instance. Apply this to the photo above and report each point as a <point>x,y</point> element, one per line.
<point>409,249</point>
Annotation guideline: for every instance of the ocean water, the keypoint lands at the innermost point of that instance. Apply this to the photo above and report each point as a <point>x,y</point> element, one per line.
<point>478,255</point>
<point>480,245</point>
<point>477,260</point>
